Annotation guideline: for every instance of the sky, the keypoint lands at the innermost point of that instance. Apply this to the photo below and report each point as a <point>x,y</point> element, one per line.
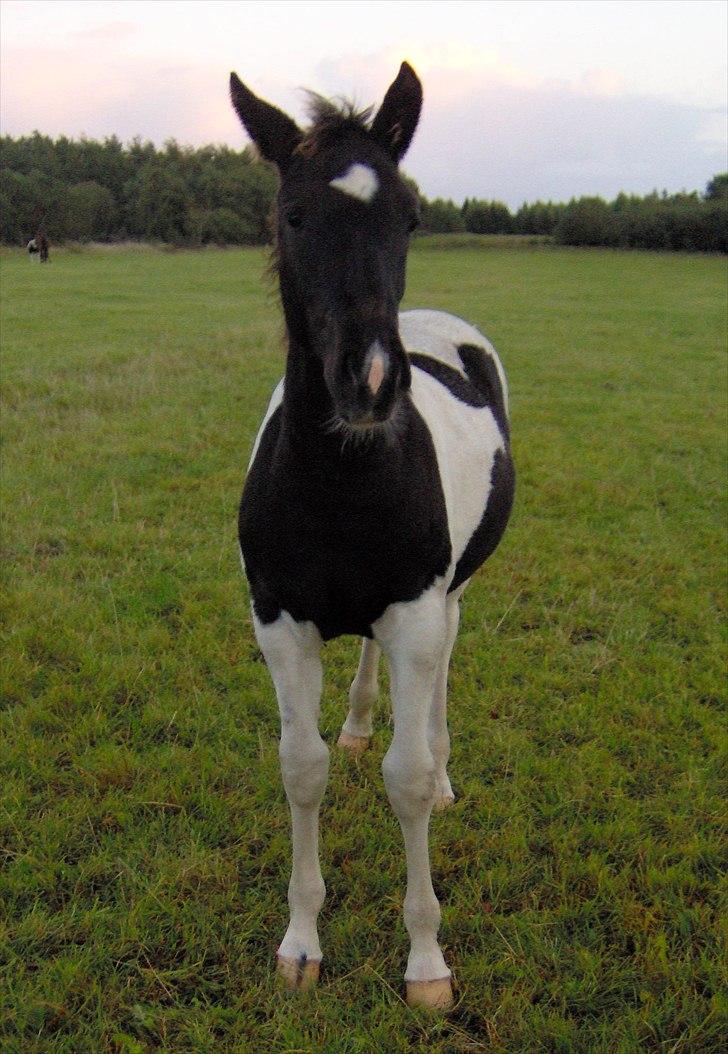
<point>523,100</point>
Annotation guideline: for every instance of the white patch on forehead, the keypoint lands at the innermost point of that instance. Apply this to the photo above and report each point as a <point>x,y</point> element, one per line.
<point>359,181</point>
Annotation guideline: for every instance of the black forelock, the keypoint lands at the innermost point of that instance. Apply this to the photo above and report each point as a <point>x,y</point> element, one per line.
<point>332,119</point>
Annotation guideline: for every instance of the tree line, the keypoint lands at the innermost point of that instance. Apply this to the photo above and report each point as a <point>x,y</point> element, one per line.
<point>86,190</point>
<point>104,191</point>
<point>684,222</point>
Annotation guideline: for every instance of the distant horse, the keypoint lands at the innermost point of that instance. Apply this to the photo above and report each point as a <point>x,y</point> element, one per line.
<point>380,481</point>
<point>39,246</point>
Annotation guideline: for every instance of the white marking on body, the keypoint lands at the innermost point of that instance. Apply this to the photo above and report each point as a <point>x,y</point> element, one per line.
<point>465,439</point>
<point>438,334</point>
<point>275,401</point>
<point>359,181</point>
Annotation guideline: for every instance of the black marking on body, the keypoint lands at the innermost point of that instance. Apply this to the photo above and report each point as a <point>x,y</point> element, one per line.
<point>335,540</point>
<point>482,373</point>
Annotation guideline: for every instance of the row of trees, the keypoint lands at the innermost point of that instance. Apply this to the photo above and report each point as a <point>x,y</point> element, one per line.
<point>489,217</point>
<point>104,191</point>
<point>688,222</point>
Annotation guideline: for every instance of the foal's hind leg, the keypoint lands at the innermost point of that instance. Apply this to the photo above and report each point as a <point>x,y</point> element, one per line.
<point>437,733</point>
<point>357,728</point>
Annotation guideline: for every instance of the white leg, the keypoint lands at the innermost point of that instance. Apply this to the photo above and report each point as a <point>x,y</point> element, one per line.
<point>438,736</point>
<point>413,637</point>
<point>291,651</point>
<point>363,693</point>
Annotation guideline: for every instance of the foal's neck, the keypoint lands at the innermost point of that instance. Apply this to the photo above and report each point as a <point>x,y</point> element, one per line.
<point>307,405</point>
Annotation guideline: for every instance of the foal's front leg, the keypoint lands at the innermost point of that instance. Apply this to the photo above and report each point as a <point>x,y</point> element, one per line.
<point>291,650</point>
<point>413,636</point>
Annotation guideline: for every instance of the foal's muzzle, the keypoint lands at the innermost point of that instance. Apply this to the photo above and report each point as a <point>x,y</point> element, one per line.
<point>373,383</point>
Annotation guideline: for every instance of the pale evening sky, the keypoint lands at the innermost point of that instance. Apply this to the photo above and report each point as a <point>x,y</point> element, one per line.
<point>523,100</point>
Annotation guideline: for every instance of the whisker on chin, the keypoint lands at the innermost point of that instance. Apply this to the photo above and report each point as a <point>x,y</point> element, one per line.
<point>364,435</point>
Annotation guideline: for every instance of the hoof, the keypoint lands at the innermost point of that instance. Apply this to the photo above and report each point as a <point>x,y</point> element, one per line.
<point>443,802</point>
<point>353,745</point>
<point>297,974</point>
<point>436,995</point>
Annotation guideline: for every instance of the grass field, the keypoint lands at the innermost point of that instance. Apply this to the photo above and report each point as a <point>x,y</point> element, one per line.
<point>144,828</point>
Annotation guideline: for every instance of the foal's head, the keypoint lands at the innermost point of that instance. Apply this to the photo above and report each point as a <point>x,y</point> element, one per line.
<point>344,220</point>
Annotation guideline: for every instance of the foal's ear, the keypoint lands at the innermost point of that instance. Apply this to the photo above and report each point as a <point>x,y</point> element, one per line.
<point>398,115</point>
<point>272,131</point>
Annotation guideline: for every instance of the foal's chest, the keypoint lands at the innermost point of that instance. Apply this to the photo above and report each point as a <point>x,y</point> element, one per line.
<point>337,548</point>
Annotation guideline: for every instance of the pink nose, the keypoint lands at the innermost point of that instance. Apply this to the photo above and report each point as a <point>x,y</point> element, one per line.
<point>375,367</point>
<point>376,374</point>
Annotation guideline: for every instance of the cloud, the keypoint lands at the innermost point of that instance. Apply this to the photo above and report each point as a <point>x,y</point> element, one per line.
<point>100,92</point>
<point>108,31</point>
<point>556,142</point>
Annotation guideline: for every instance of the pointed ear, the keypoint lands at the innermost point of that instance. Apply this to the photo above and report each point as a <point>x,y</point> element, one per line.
<point>398,115</point>
<point>272,131</point>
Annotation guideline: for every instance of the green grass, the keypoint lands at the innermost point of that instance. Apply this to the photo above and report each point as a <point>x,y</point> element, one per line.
<point>143,826</point>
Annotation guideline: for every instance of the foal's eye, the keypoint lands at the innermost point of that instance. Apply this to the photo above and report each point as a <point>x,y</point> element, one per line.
<point>295,215</point>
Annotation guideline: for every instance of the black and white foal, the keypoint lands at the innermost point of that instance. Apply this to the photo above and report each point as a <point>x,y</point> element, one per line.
<point>381,479</point>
